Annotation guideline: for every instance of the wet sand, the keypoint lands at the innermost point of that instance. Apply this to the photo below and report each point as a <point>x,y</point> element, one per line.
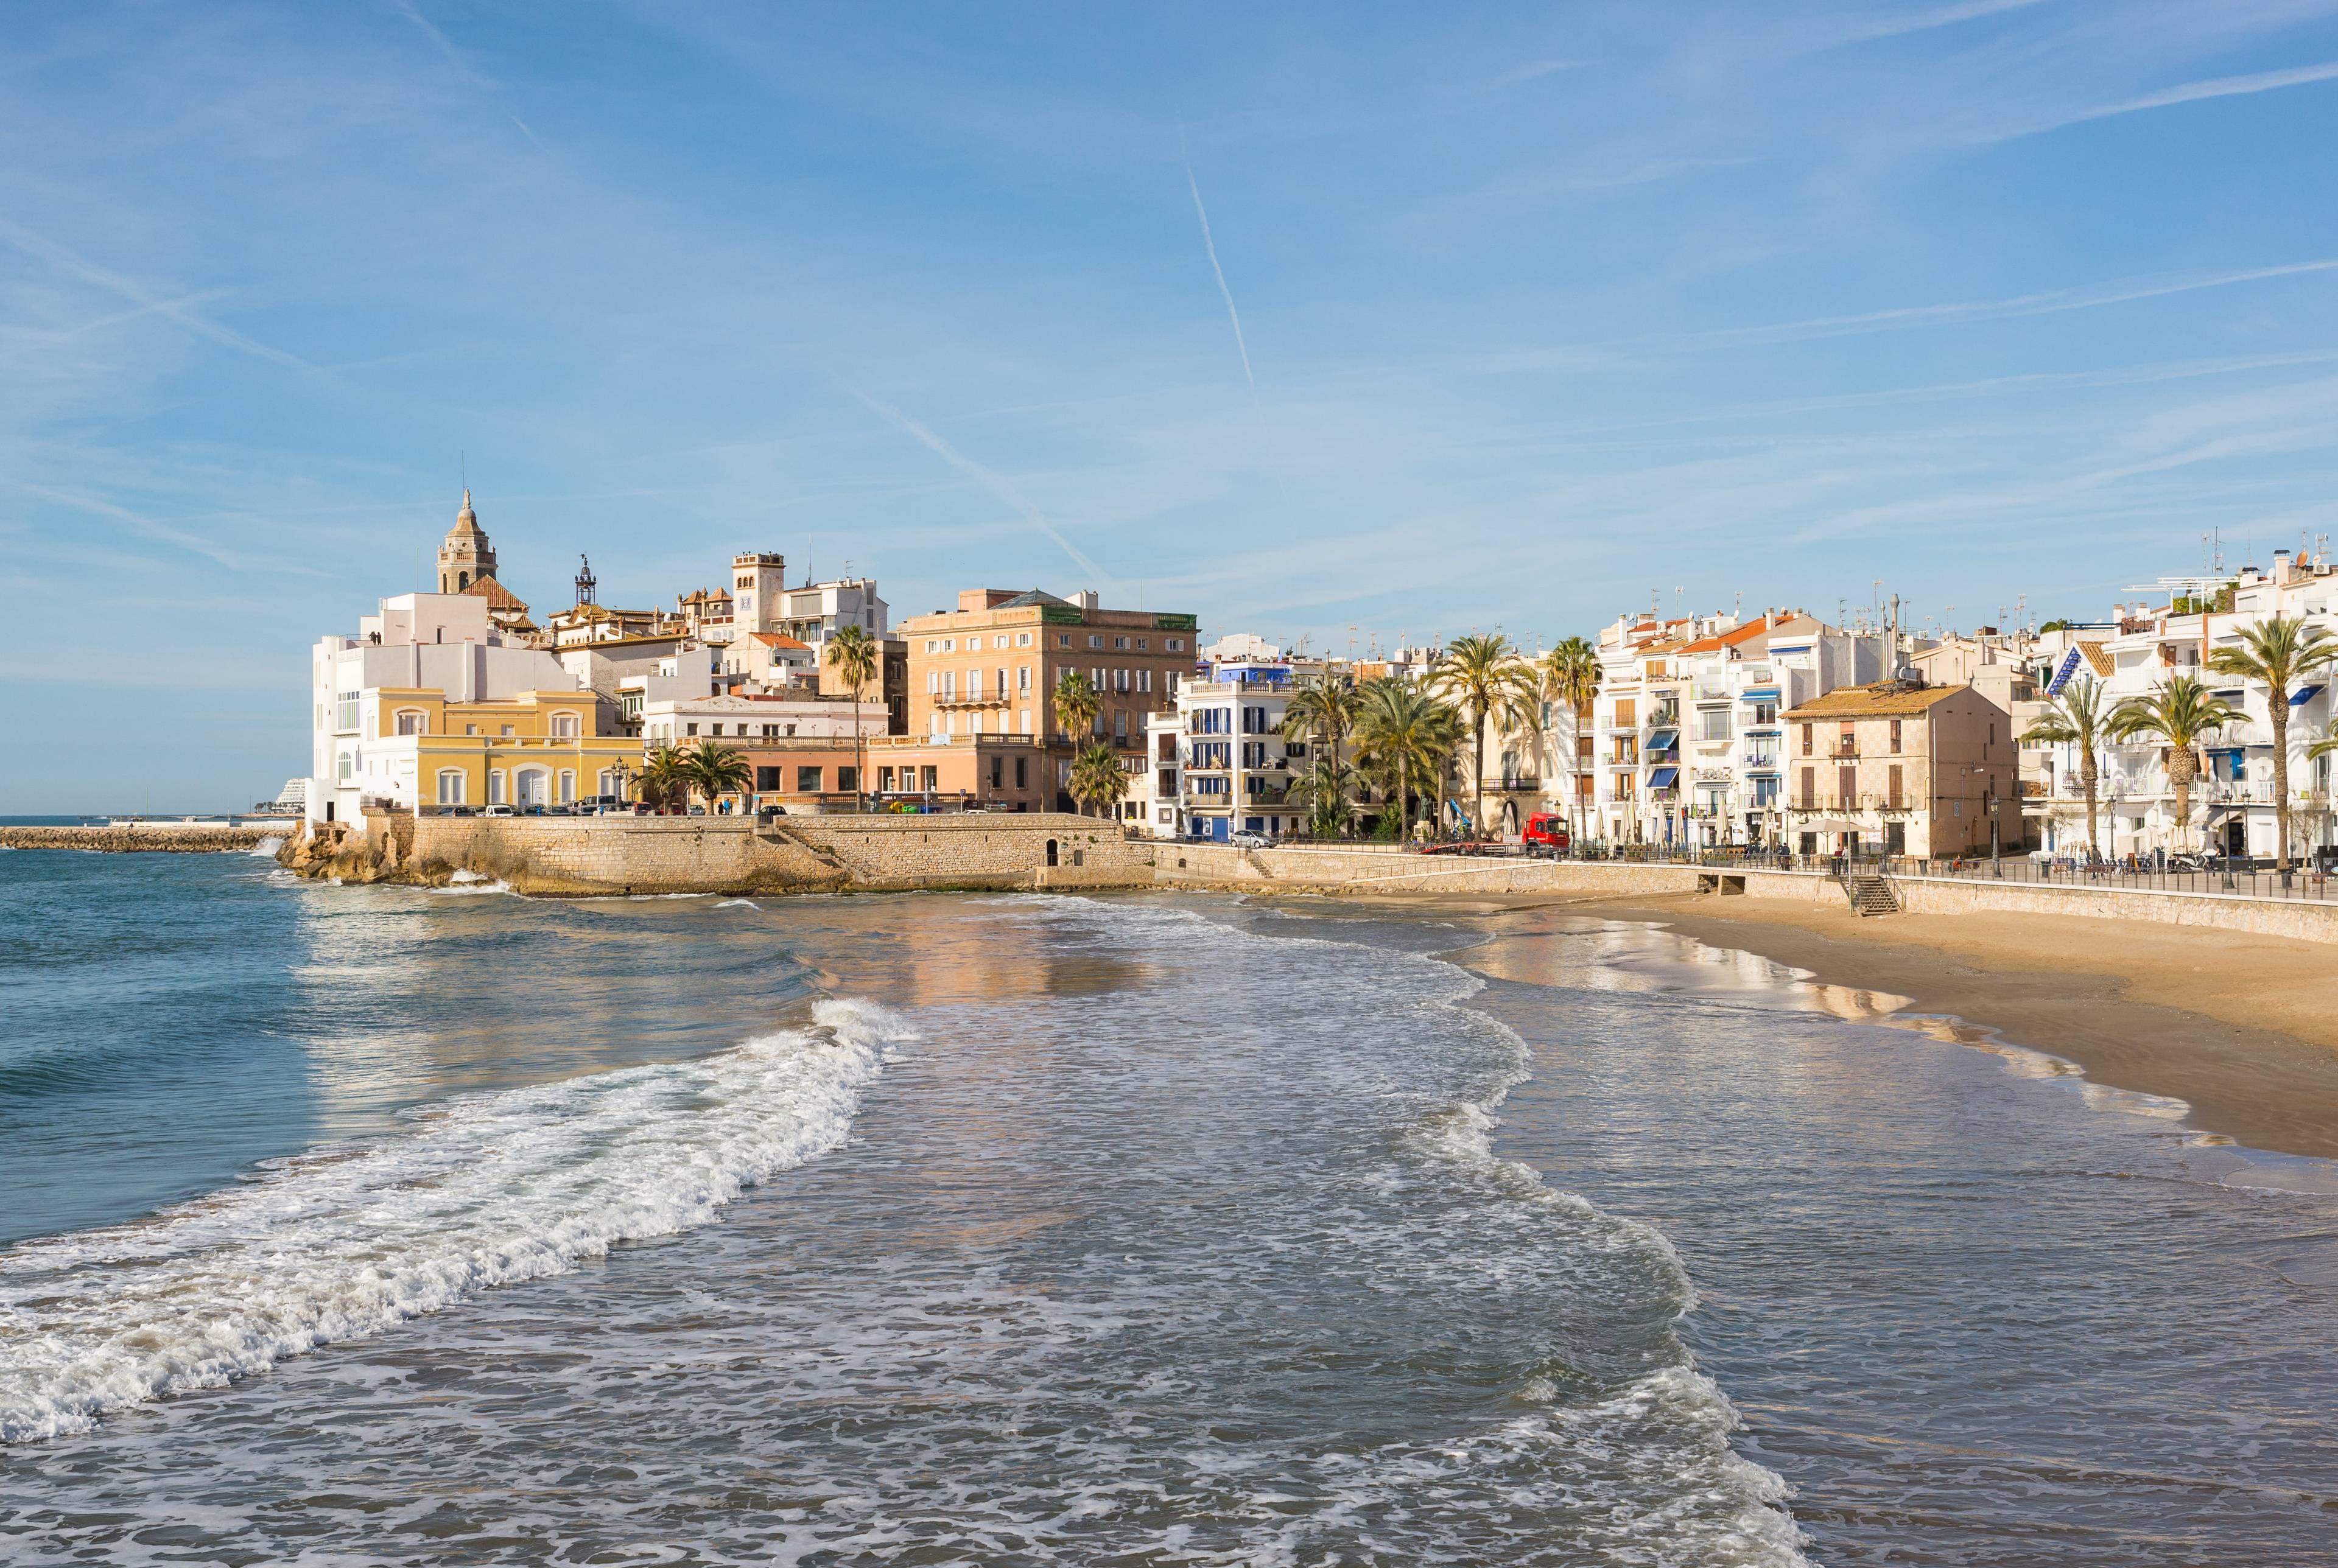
<point>2245,1028</point>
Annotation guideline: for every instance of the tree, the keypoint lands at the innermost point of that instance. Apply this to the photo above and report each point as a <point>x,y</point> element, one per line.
<point>2181,713</point>
<point>1570,674</point>
<point>1098,780</point>
<point>1406,735</point>
<point>1323,711</point>
<point>665,774</point>
<point>1324,791</point>
<point>2278,651</point>
<point>2080,718</point>
<point>1077,704</point>
<point>1484,677</point>
<point>856,658</point>
<point>717,771</point>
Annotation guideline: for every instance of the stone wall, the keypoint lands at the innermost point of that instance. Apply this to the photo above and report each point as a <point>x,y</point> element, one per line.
<point>177,839</point>
<point>587,856</point>
<point>1363,870</point>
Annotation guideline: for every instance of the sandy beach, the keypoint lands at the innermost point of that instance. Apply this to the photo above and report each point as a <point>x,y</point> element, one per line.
<point>2245,1028</point>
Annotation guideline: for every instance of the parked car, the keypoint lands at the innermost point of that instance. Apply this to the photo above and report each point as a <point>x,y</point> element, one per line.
<point>771,808</point>
<point>1244,839</point>
<point>499,812</point>
<point>460,811</point>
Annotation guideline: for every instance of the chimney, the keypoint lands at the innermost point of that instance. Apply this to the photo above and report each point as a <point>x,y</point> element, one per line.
<point>1086,598</point>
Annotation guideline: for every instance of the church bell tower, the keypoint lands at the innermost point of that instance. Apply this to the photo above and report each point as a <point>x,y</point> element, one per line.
<point>465,557</point>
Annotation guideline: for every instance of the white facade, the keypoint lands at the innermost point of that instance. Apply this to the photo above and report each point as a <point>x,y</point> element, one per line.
<point>2231,800</point>
<point>1232,770</point>
<point>1688,749</point>
<point>434,642</point>
<point>776,717</point>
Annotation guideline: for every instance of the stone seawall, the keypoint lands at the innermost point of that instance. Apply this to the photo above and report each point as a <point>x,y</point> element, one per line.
<point>584,856</point>
<point>176,840</point>
<point>1367,871</point>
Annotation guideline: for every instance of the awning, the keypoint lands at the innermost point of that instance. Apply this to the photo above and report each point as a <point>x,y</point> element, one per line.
<point>2304,694</point>
<point>1829,824</point>
<point>1759,694</point>
<point>1662,740</point>
<point>1663,778</point>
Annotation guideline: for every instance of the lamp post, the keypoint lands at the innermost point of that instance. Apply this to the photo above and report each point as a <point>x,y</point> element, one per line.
<point>624,781</point>
<point>1996,867</point>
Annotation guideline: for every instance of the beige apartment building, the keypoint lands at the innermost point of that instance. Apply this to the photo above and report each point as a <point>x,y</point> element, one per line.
<point>1901,769</point>
<point>988,668</point>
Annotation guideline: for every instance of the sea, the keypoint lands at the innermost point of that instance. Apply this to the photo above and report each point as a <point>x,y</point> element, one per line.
<point>380,1225</point>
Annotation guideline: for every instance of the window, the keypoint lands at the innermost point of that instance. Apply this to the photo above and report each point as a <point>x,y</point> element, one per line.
<point>1846,785</point>
<point>1095,640</point>
<point>848,777</point>
<point>1120,680</point>
<point>1893,797</point>
<point>1143,642</point>
<point>771,732</point>
<point>349,766</point>
<point>933,682</point>
<point>1895,751</point>
<point>1062,639</point>
<point>1120,726</point>
<point>1120,644</point>
<point>410,722</point>
<point>1002,679</point>
<point>949,644</point>
<point>998,772</point>
<point>1254,753</point>
<point>470,728</point>
<point>567,787</point>
<point>1656,669</point>
<point>1627,713</point>
<point>1023,679</point>
<point>1715,724</point>
<point>1806,739</point>
<point>506,731</point>
<point>1765,713</point>
<point>1847,742</point>
<point>1022,639</point>
<point>973,685</point>
<point>933,776</point>
<point>1023,720</point>
<point>345,712</point>
<point>1144,681</point>
<point>768,778</point>
<point>808,780</point>
<point>451,786</point>
<point>933,645</point>
<point>1810,780</point>
<point>1173,644</point>
<point>1022,771</point>
<point>495,788</point>
<point>690,729</point>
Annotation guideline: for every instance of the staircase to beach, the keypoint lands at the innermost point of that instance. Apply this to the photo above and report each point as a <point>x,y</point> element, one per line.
<point>1870,894</point>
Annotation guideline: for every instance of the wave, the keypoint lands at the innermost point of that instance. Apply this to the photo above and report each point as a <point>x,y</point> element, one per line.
<point>267,846</point>
<point>343,1243</point>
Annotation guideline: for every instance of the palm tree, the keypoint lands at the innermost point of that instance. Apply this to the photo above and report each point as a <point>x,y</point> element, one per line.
<point>717,771</point>
<point>2278,651</point>
<point>2180,714</point>
<point>1077,704</point>
<point>1324,791</point>
<point>1098,778</point>
<point>856,658</point>
<point>1323,711</point>
<point>1485,677</point>
<point>664,774</point>
<point>1570,674</point>
<point>2078,717</point>
<point>1407,735</point>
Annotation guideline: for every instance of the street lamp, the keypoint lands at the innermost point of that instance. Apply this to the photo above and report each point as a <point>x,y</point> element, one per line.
<point>624,781</point>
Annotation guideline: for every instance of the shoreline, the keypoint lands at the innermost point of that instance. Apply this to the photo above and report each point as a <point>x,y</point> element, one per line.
<point>2243,1028</point>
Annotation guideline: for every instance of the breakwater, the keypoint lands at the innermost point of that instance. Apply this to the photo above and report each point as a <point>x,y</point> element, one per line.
<point>190,838</point>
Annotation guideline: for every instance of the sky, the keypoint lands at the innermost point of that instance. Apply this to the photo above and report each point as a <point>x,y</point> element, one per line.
<point>1353,324</point>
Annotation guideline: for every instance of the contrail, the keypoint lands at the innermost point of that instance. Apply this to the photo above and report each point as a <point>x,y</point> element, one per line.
<point>67,262</point>
<point>988,480</point>
<point>1210,245</point>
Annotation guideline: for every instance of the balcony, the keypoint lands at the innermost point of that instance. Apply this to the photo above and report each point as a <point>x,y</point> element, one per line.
<point>1526,781</point>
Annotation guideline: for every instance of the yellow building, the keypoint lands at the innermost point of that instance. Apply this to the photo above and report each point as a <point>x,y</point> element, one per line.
<point>534,749</point>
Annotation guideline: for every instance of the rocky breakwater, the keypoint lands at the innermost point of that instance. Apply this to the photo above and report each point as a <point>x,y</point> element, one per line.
<point>178,838</point>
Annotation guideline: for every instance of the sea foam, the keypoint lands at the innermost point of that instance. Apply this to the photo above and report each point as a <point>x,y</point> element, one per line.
<point>487,1191</point>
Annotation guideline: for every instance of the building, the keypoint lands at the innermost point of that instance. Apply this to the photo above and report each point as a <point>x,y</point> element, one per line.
<point>1901,767</point>
<point>1686,736</point>
<point>2231,808</point>
<point>1216,763</point>
<point>428,706</point>
<point>990,666</point>
<point>741,717</point>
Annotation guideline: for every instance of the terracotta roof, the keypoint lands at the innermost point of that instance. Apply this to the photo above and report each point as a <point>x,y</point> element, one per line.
<point>1886,701</point>
<point>496,595</point>
<point>778,640</point>
<point>2101,661</point>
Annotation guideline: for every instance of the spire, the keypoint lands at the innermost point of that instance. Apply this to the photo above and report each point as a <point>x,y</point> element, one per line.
<point>467,520</point>
<point>585,580</point>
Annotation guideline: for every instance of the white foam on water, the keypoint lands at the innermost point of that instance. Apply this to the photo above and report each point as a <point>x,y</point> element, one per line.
<point>738,904</point>
<point>470,882</point>
<point>269,846</point>
<point>343,1243</point>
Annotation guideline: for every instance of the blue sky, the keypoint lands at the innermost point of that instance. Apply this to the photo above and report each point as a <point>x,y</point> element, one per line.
<point>1503,316</point>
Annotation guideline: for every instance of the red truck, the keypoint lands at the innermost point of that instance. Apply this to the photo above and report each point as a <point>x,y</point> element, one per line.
<point>1546,832</point>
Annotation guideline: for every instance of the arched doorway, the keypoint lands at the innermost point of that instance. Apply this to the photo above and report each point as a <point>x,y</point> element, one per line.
<point>1051,851</point>
<point>531,786</point>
